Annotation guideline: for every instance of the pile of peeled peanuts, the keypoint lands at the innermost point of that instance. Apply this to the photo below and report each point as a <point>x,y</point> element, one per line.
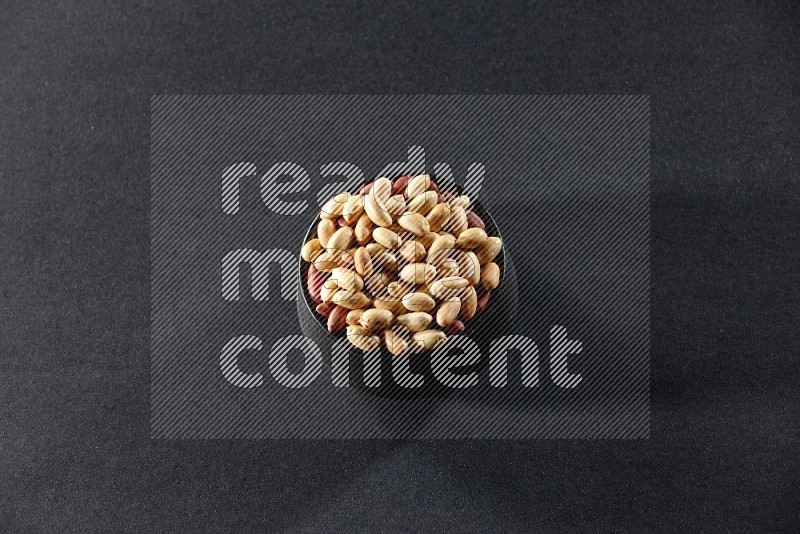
<point>400,264</point>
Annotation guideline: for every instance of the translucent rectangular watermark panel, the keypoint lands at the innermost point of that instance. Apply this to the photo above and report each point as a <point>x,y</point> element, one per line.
<point>561,349</point>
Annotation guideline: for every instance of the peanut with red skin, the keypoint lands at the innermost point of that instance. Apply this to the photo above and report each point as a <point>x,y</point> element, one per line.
<point>482,302</point>
<point>455,328</point>
<point>400,184</point>
<point>325,308</point>
<point>473,221</point>
<point>337,319</point>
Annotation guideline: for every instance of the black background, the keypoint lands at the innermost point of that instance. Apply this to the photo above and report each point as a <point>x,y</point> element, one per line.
<point>76,80</point>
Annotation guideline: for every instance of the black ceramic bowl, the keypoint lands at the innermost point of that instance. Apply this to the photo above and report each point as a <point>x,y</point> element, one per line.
<point>495,321</point>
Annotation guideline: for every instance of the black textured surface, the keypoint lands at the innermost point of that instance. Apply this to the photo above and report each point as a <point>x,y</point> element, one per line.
<point>76,83</point>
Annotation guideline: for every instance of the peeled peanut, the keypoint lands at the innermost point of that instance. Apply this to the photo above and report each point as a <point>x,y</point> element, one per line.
<point>376,319</point>
<point>353,208</point>
<point>469,267</point>
<point>311,250</point>
<point>374,248</point>
<point>489,250</point>
<point>396,205</point>
<point>363,262</point>
<point>460,202</point>
<point>418,273</point>
<point>363,231</point>
<point>351,299</point>
<point>377,283</point>
<point>415,223</point>
<point>347,279</point>
<point>386,237</point>
<point>414,321</point>
<point>329,260</point>
<point>334,207</point>
<point>457,222</point>
<point>449,267</point>
<point>453,282</point>
<point>341,239</point>
<point>381,299</point>
<point>391,304</point>
<point>395,341</point>
<point>469,304</point>
<point>382,189</point>
<point>443,242</point>
<point>328,290</point>
<point>326,262</point>
<point>358,330</point>
<point>399,289</point>
<point>344,257</point>
<point>428,239</point>
<point>450,286</point>
<point>412,251</point>
<point>471,238</point>
<point>418,185</point>
<point>490,276</point>
<point>377,213</point>
<point>439,257</point>
<point>423,203</point>
<point>428,339</point>
<point>448,311</point>
<point>418,302</point>
<point>362,338</point>
<point>325,230</point>
<point>354,316</point>
<point>438,216</point>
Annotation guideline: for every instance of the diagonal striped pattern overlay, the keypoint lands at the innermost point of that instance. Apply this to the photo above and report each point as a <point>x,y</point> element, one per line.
<point>236,183</point>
